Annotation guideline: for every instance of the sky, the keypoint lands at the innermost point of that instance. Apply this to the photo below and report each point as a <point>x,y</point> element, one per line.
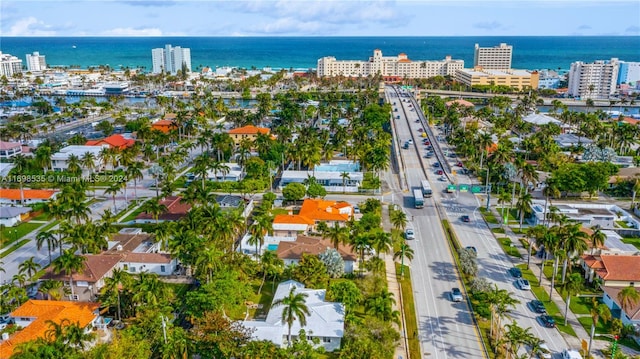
<point>320,18</point>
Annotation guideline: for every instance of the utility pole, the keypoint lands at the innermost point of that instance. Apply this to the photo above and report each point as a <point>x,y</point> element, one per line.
<point>164,328</point>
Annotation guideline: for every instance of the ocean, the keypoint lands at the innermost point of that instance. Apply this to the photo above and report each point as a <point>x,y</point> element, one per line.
<point>303,52</point>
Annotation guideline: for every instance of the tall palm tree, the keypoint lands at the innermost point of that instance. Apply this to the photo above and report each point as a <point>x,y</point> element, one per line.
<point>516,336</point>
<point>69,263</point>
<point>295,307</point>
<point>404,252</point>
<point>48,238</point>
<point>270,265</point>
<point>113,189</point>
<point>628,298</point>
<point>337,234</point>
<point>597,238</point>
<point>398,219</point>
<point>570,287</point>
<point>29,267</point>
<point>523,205</point>
<point>134,172</point>
<point>598,311</point>
<point>119,279</point>
<point>381,241</point>
<point>51,289</point>
<point>574,242</point>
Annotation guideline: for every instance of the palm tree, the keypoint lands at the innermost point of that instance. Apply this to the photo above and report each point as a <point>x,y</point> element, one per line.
<point>113,189</point>
<point>535,347</point>
<point>29,267</point>
<point>295,307</point>
<point>524,206</point>
<point>76,336</point>
<point>398,219</point>
<point>597,238</point>
<point>69,262</point>
<point>501,302</point>
<point>381,242</point>
<point>154,208</point>
<point>404,252</point>
<point>598,311</point>
<point>48,238</point>
<point>628,298</point>
<point>270,265</point>
<point>380,305</point>
<point>134,172</point>
<point>119,278</point>
<point>336,234</point>
<point>574,243</point>
<point>51,288</point>
<point>345,176</point>
<point>570,287</point>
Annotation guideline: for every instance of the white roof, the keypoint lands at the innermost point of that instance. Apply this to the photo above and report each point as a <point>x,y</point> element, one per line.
<point>540,119</point>
<point>77,151</point>
<point>290,226</point>
<point>353,176</point>
<point>326,319</point>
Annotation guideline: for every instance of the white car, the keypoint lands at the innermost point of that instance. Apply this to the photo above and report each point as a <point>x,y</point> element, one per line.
<point>571,354</point>
<point>523,284</point>
<point>545,353</point>
<point>409,234</point>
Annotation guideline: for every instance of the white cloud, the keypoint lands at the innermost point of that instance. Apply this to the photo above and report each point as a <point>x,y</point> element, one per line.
<point>30,26</point>
<point>129,31</point>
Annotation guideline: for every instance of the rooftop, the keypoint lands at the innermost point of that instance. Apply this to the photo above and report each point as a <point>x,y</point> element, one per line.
<point>116,141</point>
<point>634,312</point>
<point>249,130</point>
<point>312,245</point>
<point>14,194</point>
<point>175,209</point>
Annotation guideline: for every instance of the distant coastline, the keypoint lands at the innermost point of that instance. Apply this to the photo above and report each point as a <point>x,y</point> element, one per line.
<point>530,52</point>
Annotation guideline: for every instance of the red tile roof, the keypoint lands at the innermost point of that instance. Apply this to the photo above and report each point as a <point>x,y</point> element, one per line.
<point>175,210</point>
<point>95,267</point>
<point>249,130</point>
<point>322,210</point>
<point>615,267</point>
<point>311,245</point>
<point>44,311</point>
<point>292,219</point>
<point>14,194</point>
<point>634,312</point>
<point>9,145</point>
<point>114,141</point>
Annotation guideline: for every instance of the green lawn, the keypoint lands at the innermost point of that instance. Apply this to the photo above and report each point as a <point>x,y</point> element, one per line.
<point>542,293</point>
<point>512,214</point>
<point>13,248</point>
<point>408,307</point>
<point>133,215</point>
<point>508,248</point>
<point>488,216</point>
<point>632,240</point>
<point>277,211</point>
<point>9,235</point>
<point>581,305</point>
<point>44,216</point>
<point>622,224</point>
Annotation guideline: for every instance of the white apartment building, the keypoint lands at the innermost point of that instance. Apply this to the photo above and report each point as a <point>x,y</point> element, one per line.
<point>399,65</point>
<point>170,59</point>
<point>9,65</point>
<point>493,58</point>
<point>60,160</point>
<point>596,80</point>
<point>36,62</point>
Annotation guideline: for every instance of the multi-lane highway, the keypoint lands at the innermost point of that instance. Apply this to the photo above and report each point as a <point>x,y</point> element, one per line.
<point>446,328</point>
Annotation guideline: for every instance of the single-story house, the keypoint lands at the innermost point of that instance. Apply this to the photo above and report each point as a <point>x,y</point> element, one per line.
<point>13,196</point>
<point>325,321</point>
<point>613,270</point>
<point>35,316</point>
<point>11,216</point>
<point>114,141</point>
<point>291,252</point>
<point>175,210</point>
<point>630,316</point>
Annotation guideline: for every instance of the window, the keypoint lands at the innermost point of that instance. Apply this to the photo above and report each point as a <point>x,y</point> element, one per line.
<point>162,268</point>
<point>132,269</point>
<point>326,340</point>
<point>125,267</point>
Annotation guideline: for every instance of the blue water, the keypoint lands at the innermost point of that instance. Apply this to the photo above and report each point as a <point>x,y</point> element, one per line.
<point>272,247</point>
<point>303,52</point>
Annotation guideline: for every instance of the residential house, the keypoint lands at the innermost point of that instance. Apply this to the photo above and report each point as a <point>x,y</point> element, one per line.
<point>158,263</point>
<point>325,321</point>
<point>330,212</point>
<point>11,216</point>
<point>334,176</point>
<point>35,317</point>
<point>539,119</point>
<point>12,196</point>
<point>567,140</point>
<point>612,270</point>
<point>229,172</point>
<point>140,253</point>
<point>176,209</point>
<point>588,214</point>
<point>291,252</point>
<point>629,316</point>
<point>60,159</point>
<point>625,174</point>
<point>248,132</point>
<point>166,124</point>
<point>10,149</point>
<point>291,225</point>
<point>114,141</point>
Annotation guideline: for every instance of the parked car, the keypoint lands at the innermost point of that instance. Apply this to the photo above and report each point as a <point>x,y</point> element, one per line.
<point>523,284</point>
<point>459,164</point>
<point>417,121</point>
<point>537,306</point>
<point>409,234</point>
<point>544,352</point>
<point>465,218</point>
<point>515,272</point>
<point>547,321</point>
<point>439,172</point>
<point>456,295</point>
<point>571,354</point>
<point>420,129</point>
<point>410,141</point>
<point>472,248</point>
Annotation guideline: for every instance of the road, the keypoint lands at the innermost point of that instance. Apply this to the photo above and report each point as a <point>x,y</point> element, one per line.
<point>493,263</point>
<point>446,329</point>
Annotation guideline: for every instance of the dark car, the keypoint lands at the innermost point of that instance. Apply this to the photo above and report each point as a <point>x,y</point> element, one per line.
<point>465,218</point>
<point>515,272</point>
<point>436,165</point>
<point>537,306</point>
<point>472,248</point>
<point>440,173</point>
<point>547,321</point>
<point>459,164</point>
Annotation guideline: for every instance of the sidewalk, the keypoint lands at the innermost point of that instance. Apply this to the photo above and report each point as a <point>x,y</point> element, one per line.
<point>572,319</point>
<point>394,288</point>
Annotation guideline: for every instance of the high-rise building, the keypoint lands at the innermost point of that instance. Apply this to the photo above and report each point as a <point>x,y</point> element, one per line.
<point>493,58</point>
<point>596,80</point>
<point>629,73</point>
<point>170,59</point>
<point>9,65</point>
<point>36,62</point>
<point>400,66</point>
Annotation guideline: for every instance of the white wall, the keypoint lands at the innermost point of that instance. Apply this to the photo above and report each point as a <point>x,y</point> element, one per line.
<point>135,268</point>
